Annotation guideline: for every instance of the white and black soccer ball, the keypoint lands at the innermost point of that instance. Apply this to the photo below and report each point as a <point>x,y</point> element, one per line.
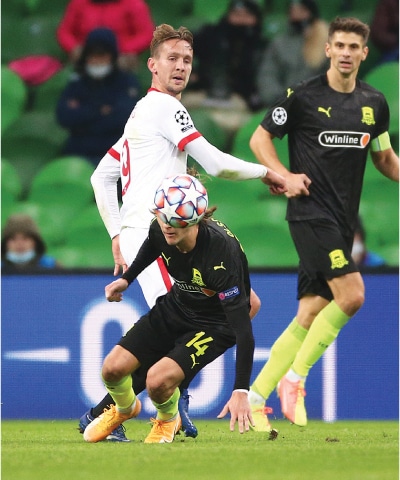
<point>180,201</point>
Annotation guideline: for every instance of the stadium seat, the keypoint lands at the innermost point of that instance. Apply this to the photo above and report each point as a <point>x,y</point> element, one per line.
<point>268,245</point>
<point>48,93</point>
<point>88,234</point>
<point>78,257</point>
<point>379,209</point>
<point>88,229</point>
<point>32,35</point>
<point>385,78</point>
<point>30,142</point>
<point>170,12</point>
<point>53,220</point>
<point>240,146</point>
<point>65,180</point>
<point>13,97</point>
<point>210,11</point>
<point>11,186</point>
<point>44,7</point>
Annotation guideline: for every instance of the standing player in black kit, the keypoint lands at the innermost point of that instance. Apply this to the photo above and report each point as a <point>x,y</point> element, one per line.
<point>332,122</point>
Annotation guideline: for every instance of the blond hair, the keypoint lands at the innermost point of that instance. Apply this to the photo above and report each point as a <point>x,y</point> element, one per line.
<point>165,32</point>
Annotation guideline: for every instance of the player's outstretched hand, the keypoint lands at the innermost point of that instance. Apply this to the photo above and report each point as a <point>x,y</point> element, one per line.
<point>114,290</point>
<point>277,183</point>
<point>239,407</point>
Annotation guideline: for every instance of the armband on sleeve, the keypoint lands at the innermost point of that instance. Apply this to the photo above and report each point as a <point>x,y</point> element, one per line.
<point>381,143</point>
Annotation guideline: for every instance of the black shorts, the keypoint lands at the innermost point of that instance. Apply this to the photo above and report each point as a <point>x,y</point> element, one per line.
<point>324,253</point>
<point>163,332</point>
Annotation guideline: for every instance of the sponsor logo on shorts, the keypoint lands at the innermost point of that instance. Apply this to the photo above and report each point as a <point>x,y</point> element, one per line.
<point>338,260</point>
<point>344,139</point>
<point>232,292</point>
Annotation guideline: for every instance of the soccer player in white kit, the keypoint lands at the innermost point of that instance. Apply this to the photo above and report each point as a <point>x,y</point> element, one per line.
<point>158,137</point>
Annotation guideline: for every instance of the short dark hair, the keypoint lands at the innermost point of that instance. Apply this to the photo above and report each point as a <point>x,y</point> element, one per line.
<point>349,25</point>
<point>165,32</point>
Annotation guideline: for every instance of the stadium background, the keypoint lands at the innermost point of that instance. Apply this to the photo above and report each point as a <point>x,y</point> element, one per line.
<point>56,330</point>
<point>44,312</point>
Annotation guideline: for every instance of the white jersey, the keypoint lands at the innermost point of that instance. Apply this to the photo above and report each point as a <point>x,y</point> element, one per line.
<point>158,136</point>
<point>151,149</point>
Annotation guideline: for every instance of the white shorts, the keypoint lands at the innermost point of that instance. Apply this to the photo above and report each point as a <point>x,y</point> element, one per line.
<point>154,280</point>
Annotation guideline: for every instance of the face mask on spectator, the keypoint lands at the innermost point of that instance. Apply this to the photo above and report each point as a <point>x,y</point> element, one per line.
<point>99,71</point>
<point>20,257</point>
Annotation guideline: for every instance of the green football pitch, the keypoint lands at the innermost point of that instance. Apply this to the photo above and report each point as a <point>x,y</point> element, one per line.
<point>54,450</point>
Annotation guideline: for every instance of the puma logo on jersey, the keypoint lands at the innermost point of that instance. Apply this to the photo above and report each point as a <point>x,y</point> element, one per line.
<point>193,357</point>
<point>289,92</point>
<point>218,267</point>
<point>326,111</point>
<point>166,259</point>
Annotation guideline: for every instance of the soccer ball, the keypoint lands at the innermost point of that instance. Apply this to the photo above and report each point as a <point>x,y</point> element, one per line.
<point>180,201</point>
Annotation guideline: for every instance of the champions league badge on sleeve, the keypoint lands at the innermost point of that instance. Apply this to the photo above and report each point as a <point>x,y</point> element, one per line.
<point>279,116</point>
<point>183,119</point>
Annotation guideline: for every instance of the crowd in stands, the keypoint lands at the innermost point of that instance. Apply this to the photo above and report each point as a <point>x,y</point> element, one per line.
<point>240,69</point>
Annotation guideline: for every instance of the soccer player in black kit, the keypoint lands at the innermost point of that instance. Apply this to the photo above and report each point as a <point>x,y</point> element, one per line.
<point>205,313</point>
<point>332,122</point>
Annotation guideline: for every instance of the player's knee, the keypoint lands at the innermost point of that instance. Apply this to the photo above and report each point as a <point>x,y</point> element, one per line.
<point>111,372</point>
<point>157,385</point>
<point>352,302</point>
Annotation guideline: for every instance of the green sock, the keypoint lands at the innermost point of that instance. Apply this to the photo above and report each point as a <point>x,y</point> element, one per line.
<point>283,352</point>
<point>122,393</point>
<point>323,331</point>
<point>168,409</point>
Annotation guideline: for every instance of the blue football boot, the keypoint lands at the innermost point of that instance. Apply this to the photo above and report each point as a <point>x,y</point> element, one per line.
<point>189,429</point>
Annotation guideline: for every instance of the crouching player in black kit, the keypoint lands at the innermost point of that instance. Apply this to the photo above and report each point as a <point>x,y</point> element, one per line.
<point>205,313</point>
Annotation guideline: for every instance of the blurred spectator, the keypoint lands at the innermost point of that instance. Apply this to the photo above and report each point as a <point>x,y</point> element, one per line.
<point>296,54</point>
<point>228,54</point>
<point>130,20</point>
<point>22,246</point>
<point>361,255</point>
<point>98,99</point>
<point>385,30</point>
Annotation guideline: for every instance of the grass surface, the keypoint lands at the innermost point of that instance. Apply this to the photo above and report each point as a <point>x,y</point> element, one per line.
<point>54,450</point>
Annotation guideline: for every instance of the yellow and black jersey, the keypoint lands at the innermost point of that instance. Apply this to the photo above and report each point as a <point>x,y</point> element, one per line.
<point>211,281</point>
<point>329,135</point>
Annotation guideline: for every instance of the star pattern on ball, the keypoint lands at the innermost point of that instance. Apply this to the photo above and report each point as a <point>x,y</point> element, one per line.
<point>169,210</point>
<point>192,195</point>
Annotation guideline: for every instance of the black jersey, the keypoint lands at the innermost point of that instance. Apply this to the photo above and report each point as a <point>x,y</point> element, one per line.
<point>211,289</point>
<point>210,281</point>
<point>329,134</point>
